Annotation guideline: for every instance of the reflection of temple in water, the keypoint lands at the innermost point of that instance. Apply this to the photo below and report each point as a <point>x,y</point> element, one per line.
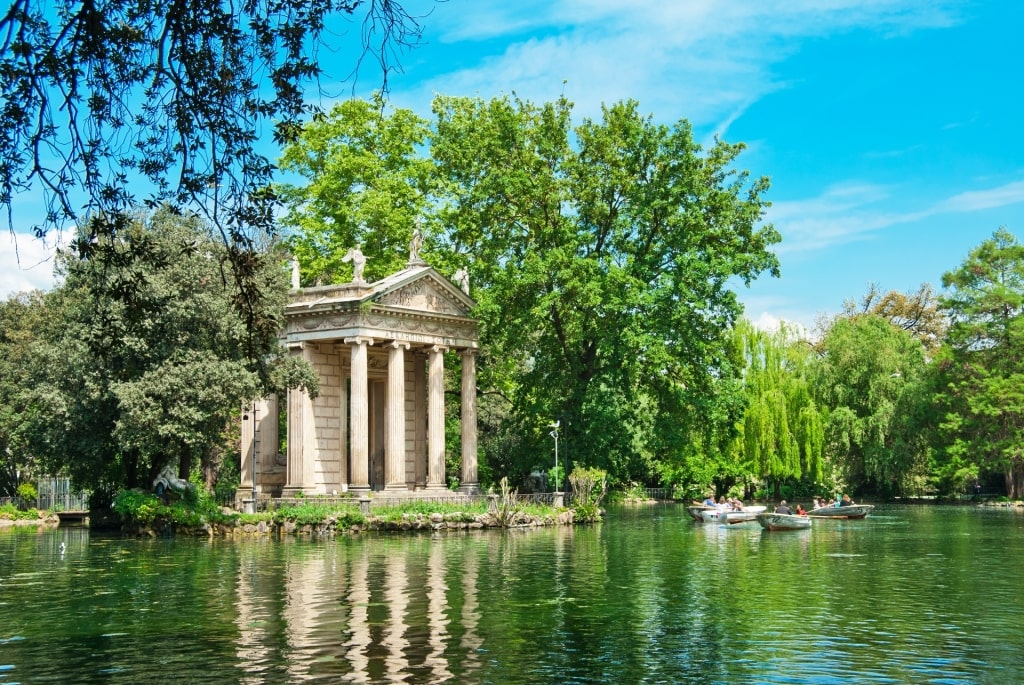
<point>404,610</point>
<point>378,422</point>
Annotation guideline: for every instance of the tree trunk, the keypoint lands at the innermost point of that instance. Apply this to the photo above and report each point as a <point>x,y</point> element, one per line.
<point>1014,475</point>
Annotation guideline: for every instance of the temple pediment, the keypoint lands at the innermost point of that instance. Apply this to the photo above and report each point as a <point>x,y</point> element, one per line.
<point>426,294</point>
<point>416,304</point>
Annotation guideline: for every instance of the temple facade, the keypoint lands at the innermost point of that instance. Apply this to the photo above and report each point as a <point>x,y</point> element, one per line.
<point>378,423</point>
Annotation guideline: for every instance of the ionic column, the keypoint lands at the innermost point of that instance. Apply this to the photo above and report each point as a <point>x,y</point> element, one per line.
<point>470,479</point>
<point>419,414</point>
<point>248,453</point>
<point>435,418</point>
<point>359,426</point>
<point>394,439</point>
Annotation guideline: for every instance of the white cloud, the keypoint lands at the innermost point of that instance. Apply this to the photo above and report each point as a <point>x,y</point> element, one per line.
<point>853,211</point>
<point>26,263</point>
<point>974,200</point>
<point>711,57</point>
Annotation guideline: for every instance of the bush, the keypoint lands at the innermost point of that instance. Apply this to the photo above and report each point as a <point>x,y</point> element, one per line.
<point>589,487</point>
<point>451,512</point>
<point>144,508</point>
<point>136,506</point>
<point>28,494</point>
<point>311,513</point>
<point>13,513</point>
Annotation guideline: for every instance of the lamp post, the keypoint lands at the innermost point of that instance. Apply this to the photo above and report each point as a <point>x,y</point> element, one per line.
<point>255,432</point>
<point>558,476</point>
<point>245,417</point>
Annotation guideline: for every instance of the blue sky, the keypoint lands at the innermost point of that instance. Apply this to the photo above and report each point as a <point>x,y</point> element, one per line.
<point>887,127</point>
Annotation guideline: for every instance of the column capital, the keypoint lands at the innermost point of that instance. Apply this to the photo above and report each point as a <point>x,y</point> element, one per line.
<point>438,348</point>
<point>359,340</point>
<point>469,352</point>
<point>404,344</point>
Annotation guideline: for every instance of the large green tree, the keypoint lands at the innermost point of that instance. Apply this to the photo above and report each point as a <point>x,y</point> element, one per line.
<point>19,326</point>
<point>869,379</point>
<point>105,104</point>
<point>142,360</point>
<point>109,105</point>
<point>782,430</point>
<point>981,392</point>
<point>366,182</point>
<point>602,256</point>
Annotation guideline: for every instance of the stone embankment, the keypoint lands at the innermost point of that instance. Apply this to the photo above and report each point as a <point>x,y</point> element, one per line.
<point>334,526</point>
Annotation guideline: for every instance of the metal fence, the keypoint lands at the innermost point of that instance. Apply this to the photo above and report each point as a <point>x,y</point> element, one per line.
<point>56,494</point>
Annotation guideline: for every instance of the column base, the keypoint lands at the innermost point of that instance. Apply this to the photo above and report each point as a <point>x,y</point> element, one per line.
<point>470,488</point>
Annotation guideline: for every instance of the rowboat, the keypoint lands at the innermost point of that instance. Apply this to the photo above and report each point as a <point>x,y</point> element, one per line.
<point>732,515</point>
<point>695,510</point>
<point>855,511</point>
<point>772,521</point>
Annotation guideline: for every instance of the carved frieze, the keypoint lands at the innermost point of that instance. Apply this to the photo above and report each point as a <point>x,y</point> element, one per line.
<point>424,295</point>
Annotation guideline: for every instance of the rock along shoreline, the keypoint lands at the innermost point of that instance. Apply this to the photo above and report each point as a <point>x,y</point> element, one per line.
<point>331,526</point>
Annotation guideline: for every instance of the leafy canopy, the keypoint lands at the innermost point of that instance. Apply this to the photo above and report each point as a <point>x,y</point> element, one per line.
<point>142,359</point>
<point>602,255</point>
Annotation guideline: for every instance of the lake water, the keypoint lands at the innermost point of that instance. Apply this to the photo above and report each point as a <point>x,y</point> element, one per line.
<point>908,595</point>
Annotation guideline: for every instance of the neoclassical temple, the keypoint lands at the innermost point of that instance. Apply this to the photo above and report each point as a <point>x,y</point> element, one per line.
<point>378,423</point>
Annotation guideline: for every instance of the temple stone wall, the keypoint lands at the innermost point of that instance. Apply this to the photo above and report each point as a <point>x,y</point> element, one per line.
<point>326,464</point>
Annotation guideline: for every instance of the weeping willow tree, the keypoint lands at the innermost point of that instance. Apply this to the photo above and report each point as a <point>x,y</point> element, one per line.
<point>782,433</point>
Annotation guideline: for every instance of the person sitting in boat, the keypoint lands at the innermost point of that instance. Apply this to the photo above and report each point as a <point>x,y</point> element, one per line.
<point>737,504</point>
<point>723,505</point>
<point>800,511</point>
<point>783,508</point>
<point>845,502</point>
<point>709,501</point>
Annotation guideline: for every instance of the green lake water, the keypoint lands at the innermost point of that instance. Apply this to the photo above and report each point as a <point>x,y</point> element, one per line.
<point>908,595</point>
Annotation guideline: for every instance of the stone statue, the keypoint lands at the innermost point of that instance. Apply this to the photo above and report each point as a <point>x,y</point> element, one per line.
<point>416,244</point>
<point>355,255</point>
<point>166,480</point>
<point>295,273</point>
<point>462,278</point>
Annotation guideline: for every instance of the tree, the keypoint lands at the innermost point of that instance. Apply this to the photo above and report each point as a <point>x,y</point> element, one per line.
<point>917,313</point>
<point>604,254</point>
<point>981,390</point>
<point>142,359</point>
<point>869,380</point>
<point>783,435</point>
<point>366,183</point>
<point>602,257</point>
<point>108,105</point>
<point>98,96</point>
<point>19,322</point>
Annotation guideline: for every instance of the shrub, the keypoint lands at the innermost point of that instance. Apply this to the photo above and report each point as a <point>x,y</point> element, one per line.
<point>589,487</point>
<point>136,506</point>
<point>508,505</point>
<point>311,512</point>
<point>451,512</point>
<point>28,494</point>
<point>11,512</point>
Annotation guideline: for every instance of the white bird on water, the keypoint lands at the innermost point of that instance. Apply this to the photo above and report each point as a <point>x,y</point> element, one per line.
<point>62,547</point>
